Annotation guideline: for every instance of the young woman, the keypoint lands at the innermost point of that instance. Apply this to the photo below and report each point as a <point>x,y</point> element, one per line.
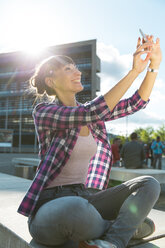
<point>68,199</point>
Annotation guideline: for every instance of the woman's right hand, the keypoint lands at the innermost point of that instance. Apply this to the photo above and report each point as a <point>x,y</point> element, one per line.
<point>140,64</point>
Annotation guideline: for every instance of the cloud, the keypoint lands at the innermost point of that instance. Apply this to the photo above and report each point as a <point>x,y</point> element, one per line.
<point>140,119</point>
<point>113,64</point>
<point>144,117</point>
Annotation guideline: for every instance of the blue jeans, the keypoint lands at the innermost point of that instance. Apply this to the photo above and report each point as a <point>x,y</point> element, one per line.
<point>71,214</point>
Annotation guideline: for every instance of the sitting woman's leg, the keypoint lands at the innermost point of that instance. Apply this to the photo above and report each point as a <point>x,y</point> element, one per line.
<point>66,218</point>
<point>127,204</point>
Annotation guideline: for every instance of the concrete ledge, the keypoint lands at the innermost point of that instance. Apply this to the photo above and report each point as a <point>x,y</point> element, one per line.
<point>122,174</point>
<point>26,161</point>
<point>9,239</point>
<point>13,226</point>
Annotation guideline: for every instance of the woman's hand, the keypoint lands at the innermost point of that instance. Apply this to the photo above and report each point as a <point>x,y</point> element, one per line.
<point>156,53</point>
<point>140,64</point>
<point>155,57</point>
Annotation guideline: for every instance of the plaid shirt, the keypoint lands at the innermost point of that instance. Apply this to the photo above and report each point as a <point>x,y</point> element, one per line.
<point>58,127</point>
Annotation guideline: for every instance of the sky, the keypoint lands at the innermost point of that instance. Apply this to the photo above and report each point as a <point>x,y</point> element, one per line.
<point>34,24</point>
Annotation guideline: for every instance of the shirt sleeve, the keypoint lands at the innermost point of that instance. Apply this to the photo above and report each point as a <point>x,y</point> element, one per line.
<point>127,107</point>
<point>53,116</point>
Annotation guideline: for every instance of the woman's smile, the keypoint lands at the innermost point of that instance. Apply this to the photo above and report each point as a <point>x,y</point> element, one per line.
<point>76,81</point>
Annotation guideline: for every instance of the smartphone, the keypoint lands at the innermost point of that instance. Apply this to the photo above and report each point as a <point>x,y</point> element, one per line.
<point>143,35</point>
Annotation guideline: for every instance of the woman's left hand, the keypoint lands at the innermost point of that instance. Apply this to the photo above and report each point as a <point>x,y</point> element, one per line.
<point>156,53</point>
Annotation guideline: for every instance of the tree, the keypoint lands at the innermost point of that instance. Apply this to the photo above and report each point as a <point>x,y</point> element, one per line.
<point>123,138</point>
<point>160,132</point>
<point>146,135</point>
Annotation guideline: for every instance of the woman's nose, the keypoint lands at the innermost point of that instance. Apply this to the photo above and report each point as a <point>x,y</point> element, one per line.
<point>76,71</point>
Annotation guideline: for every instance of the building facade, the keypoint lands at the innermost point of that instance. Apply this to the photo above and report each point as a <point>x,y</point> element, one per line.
<point>16,102</point>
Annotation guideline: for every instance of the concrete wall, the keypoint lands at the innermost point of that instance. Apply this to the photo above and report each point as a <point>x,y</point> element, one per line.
<point>9,239</point>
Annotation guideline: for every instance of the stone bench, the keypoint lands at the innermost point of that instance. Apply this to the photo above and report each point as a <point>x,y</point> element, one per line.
<point>122,174</point>
<point>26,161</point>
<point>13,226</point>
<point>25,167</point>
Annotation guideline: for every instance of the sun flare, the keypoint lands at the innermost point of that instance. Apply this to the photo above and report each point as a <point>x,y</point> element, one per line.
<point>29,28</point>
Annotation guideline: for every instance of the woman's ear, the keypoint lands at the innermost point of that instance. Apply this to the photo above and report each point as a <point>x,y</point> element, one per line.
<point>48,82</point>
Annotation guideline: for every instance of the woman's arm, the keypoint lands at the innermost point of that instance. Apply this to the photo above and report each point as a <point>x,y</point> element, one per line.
<point>53,116</point>
<point>153,53</point>
<point>149,80</point>
<point>127,107</point>
<point>113,96</point>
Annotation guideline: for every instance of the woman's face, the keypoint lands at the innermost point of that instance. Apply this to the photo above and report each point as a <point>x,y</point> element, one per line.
<point>67,79</point>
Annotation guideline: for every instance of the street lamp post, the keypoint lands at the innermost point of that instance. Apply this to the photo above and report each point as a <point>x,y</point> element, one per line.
<point>126,131</point>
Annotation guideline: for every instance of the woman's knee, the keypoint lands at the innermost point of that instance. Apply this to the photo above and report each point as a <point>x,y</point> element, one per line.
<point>85,220</point>
<point>74,216</point>
<point>152,185</point>
<point>64,216</point>
<point>81,211</point>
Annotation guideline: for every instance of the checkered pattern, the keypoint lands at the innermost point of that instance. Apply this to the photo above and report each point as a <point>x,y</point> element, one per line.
<point>58,127</point>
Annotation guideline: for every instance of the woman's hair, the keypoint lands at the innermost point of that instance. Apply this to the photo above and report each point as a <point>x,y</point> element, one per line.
<point>46,69</point>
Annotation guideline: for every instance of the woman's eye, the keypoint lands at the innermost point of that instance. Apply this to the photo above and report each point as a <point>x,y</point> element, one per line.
<point>67,68</point>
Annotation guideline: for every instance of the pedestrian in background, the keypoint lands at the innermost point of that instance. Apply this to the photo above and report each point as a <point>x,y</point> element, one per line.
<point>158,148</point>
<point>133,153</point>
<point>116,152</point>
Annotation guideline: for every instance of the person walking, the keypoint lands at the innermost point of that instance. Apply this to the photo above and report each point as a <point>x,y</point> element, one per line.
<point>133,153</point>
<point>157,147</point>
<point>69,199</point>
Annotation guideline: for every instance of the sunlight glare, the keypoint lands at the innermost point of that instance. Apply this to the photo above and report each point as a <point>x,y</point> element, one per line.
<point>28,28</point>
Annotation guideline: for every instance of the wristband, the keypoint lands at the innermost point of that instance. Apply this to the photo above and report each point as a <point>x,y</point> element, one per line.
<point>152,70</point>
